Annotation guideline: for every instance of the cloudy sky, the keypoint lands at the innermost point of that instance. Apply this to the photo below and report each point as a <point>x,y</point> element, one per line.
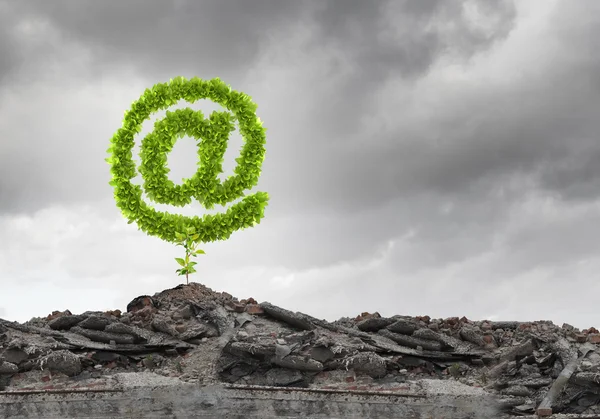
<point>423,156</point>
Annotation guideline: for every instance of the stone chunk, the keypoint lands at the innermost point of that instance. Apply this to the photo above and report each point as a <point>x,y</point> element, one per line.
<point>321,353</point>
<point>95,323</point>
<point>411,342</point>
<point>100,336</point>
<point>373,324</point>
<point>282,377</point>
<point>141,302</point>
<point>518,391</point>
<point>62,361</point>
<point>124,329</point>
<point>470,334</point>
<point>299,363</point>
<point>299,320</point>
<point>195,331</point>
<point>65,322</point>
<point>8,367</point>
<point>402,326</point>
<point>235,348</point>
<point>15,355</point>
<point>506,325</point>
<point>160,324</point>
<point>368,363</point>
<point>254,309</point>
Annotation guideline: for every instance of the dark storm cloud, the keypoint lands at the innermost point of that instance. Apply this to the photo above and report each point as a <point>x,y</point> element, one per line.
<point>9,54</point>
<point>154,36</point>
<point>382,40</point>
<point>467,145</point>
<point>224,38</point>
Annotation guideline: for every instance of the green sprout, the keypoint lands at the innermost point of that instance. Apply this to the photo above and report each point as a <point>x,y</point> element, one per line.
<point>189,242</point>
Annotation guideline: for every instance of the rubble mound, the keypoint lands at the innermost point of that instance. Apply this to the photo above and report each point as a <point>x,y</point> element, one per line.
<point>193,334</point>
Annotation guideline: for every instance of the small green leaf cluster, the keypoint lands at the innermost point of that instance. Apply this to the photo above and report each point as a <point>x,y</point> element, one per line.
<point>204,185</point>
<point>187,241</point>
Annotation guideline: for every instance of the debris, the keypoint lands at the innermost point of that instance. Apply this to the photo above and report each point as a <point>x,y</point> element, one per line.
<point>63,361</point>
<point>191,333</point>
<point>545,407</point>
<point>298,320</point>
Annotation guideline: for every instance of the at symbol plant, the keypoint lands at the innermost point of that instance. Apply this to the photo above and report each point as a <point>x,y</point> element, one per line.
<point>204,186</point>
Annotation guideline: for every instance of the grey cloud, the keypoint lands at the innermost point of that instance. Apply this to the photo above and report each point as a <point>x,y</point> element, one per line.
<point>212,37</point>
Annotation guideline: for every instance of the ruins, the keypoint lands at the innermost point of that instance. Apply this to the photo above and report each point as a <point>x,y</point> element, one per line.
<point>195,338</point>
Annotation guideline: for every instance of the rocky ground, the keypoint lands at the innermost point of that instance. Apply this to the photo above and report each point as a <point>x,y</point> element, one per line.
<point>193,334</point>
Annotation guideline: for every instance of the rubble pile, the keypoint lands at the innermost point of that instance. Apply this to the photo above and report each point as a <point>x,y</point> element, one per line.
<point>193,334</point>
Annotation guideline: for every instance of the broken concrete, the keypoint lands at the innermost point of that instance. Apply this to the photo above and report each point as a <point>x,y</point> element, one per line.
<point>193,335</point>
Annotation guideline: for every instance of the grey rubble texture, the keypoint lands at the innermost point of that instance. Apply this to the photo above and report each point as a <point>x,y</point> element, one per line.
<point>192,352</point>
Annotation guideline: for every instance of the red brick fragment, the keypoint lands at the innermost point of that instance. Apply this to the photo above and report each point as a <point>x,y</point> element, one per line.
<point>254,309</point>
<point>366,315</point>
<point>452,321</point>
<point>56,314</point>
<point>594,338</point>
<point>233,306</point>
<point>525,326</point>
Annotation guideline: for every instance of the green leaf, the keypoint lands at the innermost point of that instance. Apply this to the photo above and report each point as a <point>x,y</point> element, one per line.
<point>180,261</point>
<point>200,252</point>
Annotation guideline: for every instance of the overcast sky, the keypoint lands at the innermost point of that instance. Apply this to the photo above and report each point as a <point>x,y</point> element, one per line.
<point>423,156</point>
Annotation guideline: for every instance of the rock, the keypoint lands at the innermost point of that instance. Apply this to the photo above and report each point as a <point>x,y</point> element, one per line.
<point>113,313</point>
<point>410,341</point>
<point>532,382</point>
<point>428,334</point>
<point>15,355</point>
<point>473,335</point>
<point>299,363</point>
<point>141,302</point>
<point>57,314</point>
<point>254,309</point>
<point>4,382</point>
<point>62,361</point>
<point>8,367</point>
<point>123,329</point>
<point>402,326</point>
<point>283,377</point>
<point>373,324</point>
<point>524,349</point>
<point>281,351</point>
<point>104,337</point>
<point>240,348</point>
<point>234,306</point>
<point>195,331</point>
<point>103,356</point>
<point>298,320</point>
<point>242,319</point>
<point>160,324</point>
<point>594,338</point>
<point>219,319</point>
<point>366,315</point>
<point>321,354</point>
<point>65,322</point>
<point>517,390</point>
<point>433,326</point>
<point>95,323</point>
<point>368,363</point>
